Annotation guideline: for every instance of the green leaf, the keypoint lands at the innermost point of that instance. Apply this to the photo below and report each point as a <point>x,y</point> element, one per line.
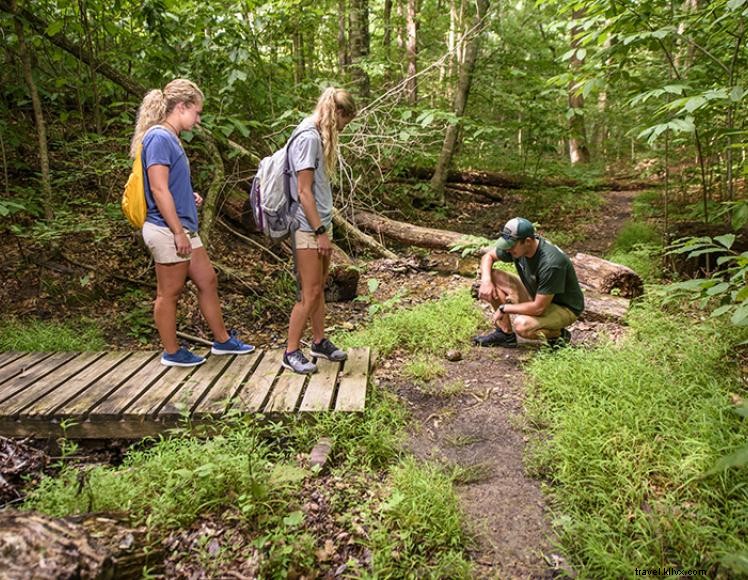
<point>737,562</point>
<point>740,316</point>
<point>742,410</point>
<point>727,240</point>
<point>735,4</point>
<point>738,458</point>
<point>736,94</point>
<point>720,288</point>
<point>294,519</point>
<point>581,53</point>
<point>55,27</point>
<point>372,284</point>
<point>740,216</point>
<point>286,473</point>
<point>721,310</point>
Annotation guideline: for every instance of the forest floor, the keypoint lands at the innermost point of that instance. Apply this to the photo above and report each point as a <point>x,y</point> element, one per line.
<point>471,418</point>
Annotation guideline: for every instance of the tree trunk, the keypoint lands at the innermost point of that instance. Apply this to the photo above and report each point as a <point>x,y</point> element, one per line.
<point>359,36</point>
<point>604,307</point>
<point>461,97</point>
<point>607,277</point>
<point>578,150</point>
<point>411,52</point>
<point>387,38</point>
<point>342,44</point>
<point>83,11</point>
<point>41,129</point>
<point>212,197</point>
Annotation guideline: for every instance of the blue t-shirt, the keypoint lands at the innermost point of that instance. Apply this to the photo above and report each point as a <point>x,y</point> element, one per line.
<point>307,152</point>
<point>161,147</point>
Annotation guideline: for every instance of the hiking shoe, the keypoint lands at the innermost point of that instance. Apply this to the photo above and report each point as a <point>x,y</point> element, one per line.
<point>564,339</point>
<point>298,363</point>
<point>232,346</point>
<point>181,358</point>
<point>326,349</point>
<point>497,338</point>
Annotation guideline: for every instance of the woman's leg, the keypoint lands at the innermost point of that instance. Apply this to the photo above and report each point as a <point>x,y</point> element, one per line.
<point>310,267</point>
<point>170,280</point>
<point>203,275</point>
<point>318,310</point>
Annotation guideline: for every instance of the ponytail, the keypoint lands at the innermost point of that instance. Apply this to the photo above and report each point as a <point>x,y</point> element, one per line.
<point>157,104</point>
<point>330,102</point>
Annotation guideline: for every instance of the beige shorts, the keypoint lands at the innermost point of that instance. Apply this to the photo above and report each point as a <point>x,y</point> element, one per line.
<point>307,240</point>
<point>555,317</point>
<point>160,242</point>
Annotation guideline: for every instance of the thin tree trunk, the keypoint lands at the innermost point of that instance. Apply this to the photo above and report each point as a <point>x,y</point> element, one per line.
<point>578,150</point>
<point>359,37</point>
<point>212,197</point>
<point>387,38</point>
<point>411,52</point>
<point>41,129</point>
<point>92,71</point>
<point>342,45</point>
<point>439,178</point>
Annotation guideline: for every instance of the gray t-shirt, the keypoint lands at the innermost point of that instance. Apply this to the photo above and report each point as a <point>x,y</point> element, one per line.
<point>306,152</point>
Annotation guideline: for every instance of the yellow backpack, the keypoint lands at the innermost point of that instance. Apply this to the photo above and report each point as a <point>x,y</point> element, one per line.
<point>133,198</point>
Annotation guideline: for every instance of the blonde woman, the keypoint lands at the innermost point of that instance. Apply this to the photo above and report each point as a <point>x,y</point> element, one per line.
<point>313,159</point>
<point>170,229</point>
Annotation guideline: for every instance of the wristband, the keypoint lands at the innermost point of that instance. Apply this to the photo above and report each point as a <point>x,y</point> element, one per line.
<point>501,308</point>
<point>320,230</point>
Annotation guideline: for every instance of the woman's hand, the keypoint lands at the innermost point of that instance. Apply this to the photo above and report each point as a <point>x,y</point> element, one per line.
<point>182,244</point>
<point>324,245</point>
<point>198,199</point>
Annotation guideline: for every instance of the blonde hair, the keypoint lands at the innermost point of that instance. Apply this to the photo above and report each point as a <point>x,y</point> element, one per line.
<point>331,101</point>
<point>157,105</point>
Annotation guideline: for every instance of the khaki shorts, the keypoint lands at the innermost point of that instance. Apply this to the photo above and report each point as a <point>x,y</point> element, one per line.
<point>307,240</point>
<point>555,317</point>
<point>160,242</point>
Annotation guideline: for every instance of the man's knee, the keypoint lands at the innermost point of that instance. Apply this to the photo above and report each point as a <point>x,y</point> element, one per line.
<point>524,325</point>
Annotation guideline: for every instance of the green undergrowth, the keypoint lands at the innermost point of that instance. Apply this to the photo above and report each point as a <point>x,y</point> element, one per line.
<point>39,335</point>
<point>427,328</point>
<point>246,470</point>
<point>627,435</point>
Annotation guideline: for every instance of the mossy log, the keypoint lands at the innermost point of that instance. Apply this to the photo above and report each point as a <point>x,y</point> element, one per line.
<point>34,545</point>
<point>607,277</point>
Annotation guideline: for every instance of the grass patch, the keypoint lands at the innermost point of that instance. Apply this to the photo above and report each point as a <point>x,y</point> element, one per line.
<point>426,329</point>
<point>634,429</point>
<point>419,534</point>
<point>639,246</point>
<point>424,368</point>
<point>39,335</point>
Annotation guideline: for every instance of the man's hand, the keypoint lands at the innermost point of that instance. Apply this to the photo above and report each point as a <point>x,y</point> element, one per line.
<point>487,291</point>
<point>182,244</point>
<point>497,316</point>
<point>324,246</point>
<point>198,199</point>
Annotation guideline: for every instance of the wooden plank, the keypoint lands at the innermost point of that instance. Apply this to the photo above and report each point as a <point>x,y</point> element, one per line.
<point>76,385</point>
<point>228,384</point>
<point>160,391</point>
<point>255,391</point>
<point>97,392</point>
<point>40,388</point>
<point>286,393</point>
<point>319,391</point>
<point>353,381</point>
<point>9,356</point>
<point>122,397</point>
<point>113,429</point>
<point>195,387</point>
<point>28,377</point>
<point>20,365</point>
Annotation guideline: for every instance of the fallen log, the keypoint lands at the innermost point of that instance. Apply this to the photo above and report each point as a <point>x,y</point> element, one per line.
<point>406,233</point>
<point>359,238</point>
<point>34,545</point>
<point>607,277</point>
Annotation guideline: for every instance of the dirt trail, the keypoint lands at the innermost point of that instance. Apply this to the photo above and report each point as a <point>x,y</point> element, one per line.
<point>478,429</point>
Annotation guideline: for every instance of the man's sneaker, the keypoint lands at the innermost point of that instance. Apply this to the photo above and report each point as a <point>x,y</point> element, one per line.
<point>497,338</point>
<point>181,358</point>
<point>564,339</point>
<point>232,346</point>
<point>326,349</point>
<point>298,363</point>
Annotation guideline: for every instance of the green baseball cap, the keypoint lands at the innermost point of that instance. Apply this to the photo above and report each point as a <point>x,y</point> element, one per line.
<point>515,229</point>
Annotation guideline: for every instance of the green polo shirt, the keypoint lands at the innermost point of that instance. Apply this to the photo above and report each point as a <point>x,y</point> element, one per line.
<point>549,271</point>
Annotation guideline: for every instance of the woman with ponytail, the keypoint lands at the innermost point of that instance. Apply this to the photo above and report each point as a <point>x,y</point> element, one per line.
<point>170,229</point>
<point>313,159</point>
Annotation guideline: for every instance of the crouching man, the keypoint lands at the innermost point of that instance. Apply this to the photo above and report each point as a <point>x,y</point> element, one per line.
<point>543,300</point>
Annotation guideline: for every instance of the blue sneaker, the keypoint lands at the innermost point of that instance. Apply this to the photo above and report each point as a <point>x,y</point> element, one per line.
<point>181,358</point>
<point>232,346</point>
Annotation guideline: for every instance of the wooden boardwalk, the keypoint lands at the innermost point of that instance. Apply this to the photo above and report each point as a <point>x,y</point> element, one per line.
<point>132,395</point>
